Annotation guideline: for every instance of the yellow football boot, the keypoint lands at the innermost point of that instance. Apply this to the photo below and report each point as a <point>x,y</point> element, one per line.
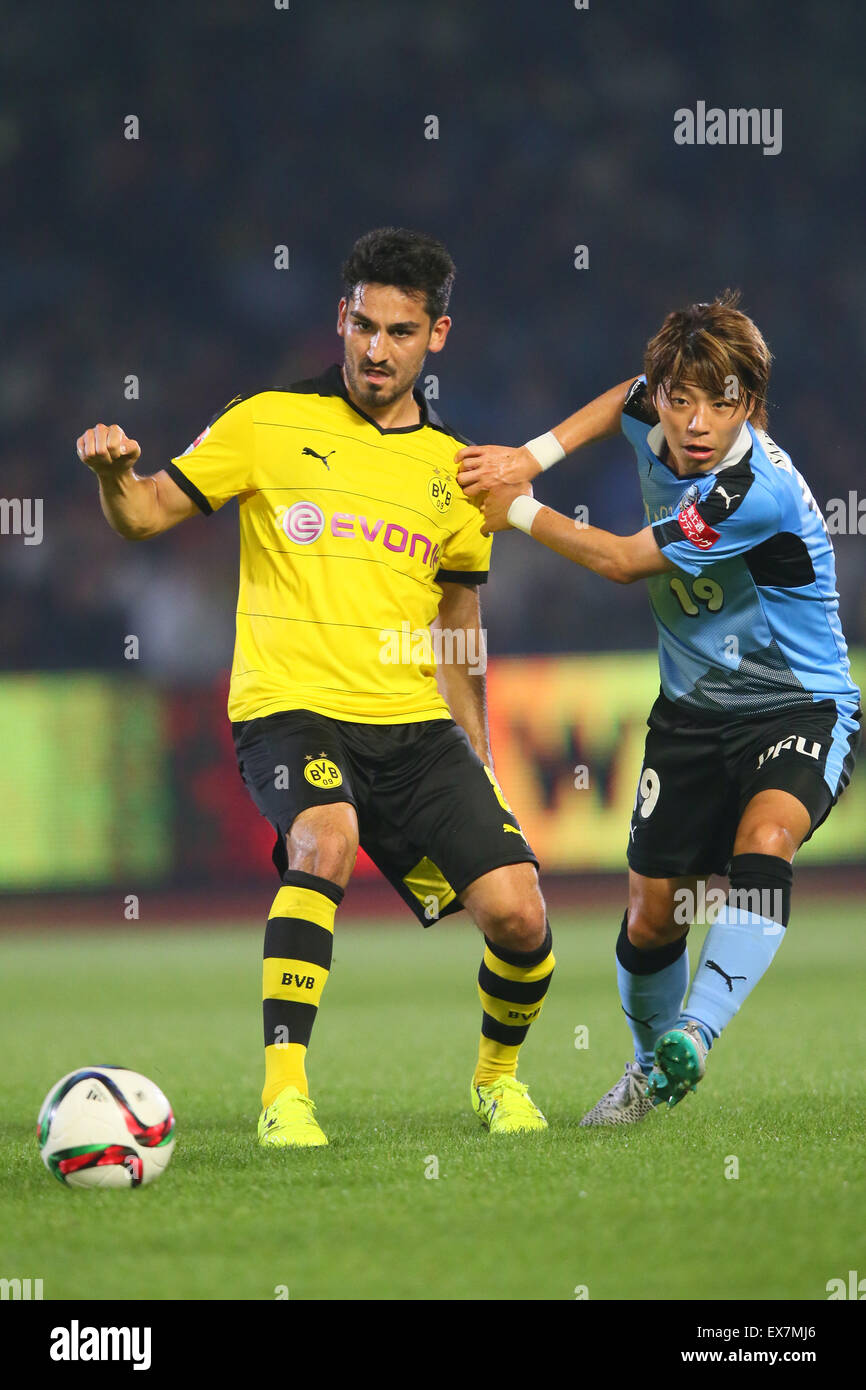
<point>506,1107</point>
<point>289,1122</point>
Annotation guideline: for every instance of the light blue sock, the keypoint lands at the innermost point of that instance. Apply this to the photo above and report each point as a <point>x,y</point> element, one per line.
<point>737,951</point>
<point>651,1003</point>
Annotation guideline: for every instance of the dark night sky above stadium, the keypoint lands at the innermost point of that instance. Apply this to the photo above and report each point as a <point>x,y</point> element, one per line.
<point>304,127</point>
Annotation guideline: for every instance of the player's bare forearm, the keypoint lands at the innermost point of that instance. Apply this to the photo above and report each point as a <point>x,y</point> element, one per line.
<point>483,466</point>
<point>128,504</point>
<point>138,508</point>
<point>461,663</point>
<point>134,507</point>
<point>622,559</point>
<point>589,546</point>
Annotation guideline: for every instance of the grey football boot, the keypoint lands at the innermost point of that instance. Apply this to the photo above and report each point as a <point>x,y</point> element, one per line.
<point>625,1103</point>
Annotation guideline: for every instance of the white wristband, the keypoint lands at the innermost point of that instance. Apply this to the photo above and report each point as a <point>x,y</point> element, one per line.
<point>523,512</point>
<point>546,450</point>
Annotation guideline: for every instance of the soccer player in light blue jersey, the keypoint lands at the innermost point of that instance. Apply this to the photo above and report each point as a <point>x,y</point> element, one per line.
<point>753,736</point>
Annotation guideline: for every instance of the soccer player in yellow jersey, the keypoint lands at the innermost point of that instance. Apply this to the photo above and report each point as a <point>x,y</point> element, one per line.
<point>355,539</point>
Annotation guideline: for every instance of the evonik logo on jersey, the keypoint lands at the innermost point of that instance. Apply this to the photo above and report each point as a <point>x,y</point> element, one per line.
<point>305,522</point>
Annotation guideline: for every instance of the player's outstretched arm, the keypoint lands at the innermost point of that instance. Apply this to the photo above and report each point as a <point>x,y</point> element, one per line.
<point>620,558</point>
<point>135,507</point>
<point>483,466</point>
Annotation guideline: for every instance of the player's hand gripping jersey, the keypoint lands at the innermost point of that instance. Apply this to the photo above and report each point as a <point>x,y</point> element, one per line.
<point>346,531</point>
<point>749,623</point>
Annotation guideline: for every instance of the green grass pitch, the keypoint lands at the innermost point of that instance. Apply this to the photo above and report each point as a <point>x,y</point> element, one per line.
<point>645,1212</point>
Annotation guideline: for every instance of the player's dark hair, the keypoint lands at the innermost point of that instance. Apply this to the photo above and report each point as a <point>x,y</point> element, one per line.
<point>410,261</point>
<point>716,347</point>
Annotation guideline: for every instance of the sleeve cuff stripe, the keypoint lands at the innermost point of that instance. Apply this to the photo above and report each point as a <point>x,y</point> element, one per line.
<point>668,532</point>
<point>189,488</point>
<point>462,576</point>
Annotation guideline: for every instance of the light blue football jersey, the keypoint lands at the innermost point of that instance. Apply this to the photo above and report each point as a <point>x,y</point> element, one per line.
<point>749,621</point>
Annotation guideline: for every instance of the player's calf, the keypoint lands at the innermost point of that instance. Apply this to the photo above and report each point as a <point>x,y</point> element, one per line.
<point>652,969</point>
<point>741,942</point>
<point>738,950</point>
<point>652,976</point>
<point>513,980</point>
<point>298,947</point>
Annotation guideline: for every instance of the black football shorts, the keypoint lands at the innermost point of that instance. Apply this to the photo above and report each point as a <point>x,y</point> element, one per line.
<point>431,815</point>
<point>699,775</point>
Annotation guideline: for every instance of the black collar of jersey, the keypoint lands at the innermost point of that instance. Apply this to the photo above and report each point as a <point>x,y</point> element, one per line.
<point>331,383</point>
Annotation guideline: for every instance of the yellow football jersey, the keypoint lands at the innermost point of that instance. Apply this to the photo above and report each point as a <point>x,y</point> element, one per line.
<point>347,531</point>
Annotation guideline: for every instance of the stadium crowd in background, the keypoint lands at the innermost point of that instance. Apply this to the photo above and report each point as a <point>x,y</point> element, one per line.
<point>158,262</point>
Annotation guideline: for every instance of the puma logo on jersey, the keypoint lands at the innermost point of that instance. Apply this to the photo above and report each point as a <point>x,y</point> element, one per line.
<point>728,500</point>
<point>323,457</point>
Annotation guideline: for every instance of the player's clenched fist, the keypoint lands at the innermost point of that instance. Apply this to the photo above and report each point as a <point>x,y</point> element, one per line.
<point>483,466</point>
<point>106,449</point>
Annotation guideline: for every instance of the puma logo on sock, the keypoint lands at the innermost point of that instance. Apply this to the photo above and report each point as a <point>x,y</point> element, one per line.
<point>729,979</point>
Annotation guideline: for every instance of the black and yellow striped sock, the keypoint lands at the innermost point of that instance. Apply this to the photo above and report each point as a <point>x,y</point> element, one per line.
<point>299,940</point>
<point>512,986</point>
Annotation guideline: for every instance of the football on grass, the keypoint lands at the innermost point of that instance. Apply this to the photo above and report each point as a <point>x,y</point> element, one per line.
<point>105,1127</point>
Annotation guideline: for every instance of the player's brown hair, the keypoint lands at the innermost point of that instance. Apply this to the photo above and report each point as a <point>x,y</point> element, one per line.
<point>716,347</point>
<point>412,261</point>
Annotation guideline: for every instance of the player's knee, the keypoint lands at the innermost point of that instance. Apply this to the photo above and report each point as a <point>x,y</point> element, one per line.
<point>516,925</point>
<point>324,843</point>
<point>645,935</point>
<point>516,930</point>
<point>766,837</point>
<point>649,929</point>
<point>507,906</point>
<point>330,857</point>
